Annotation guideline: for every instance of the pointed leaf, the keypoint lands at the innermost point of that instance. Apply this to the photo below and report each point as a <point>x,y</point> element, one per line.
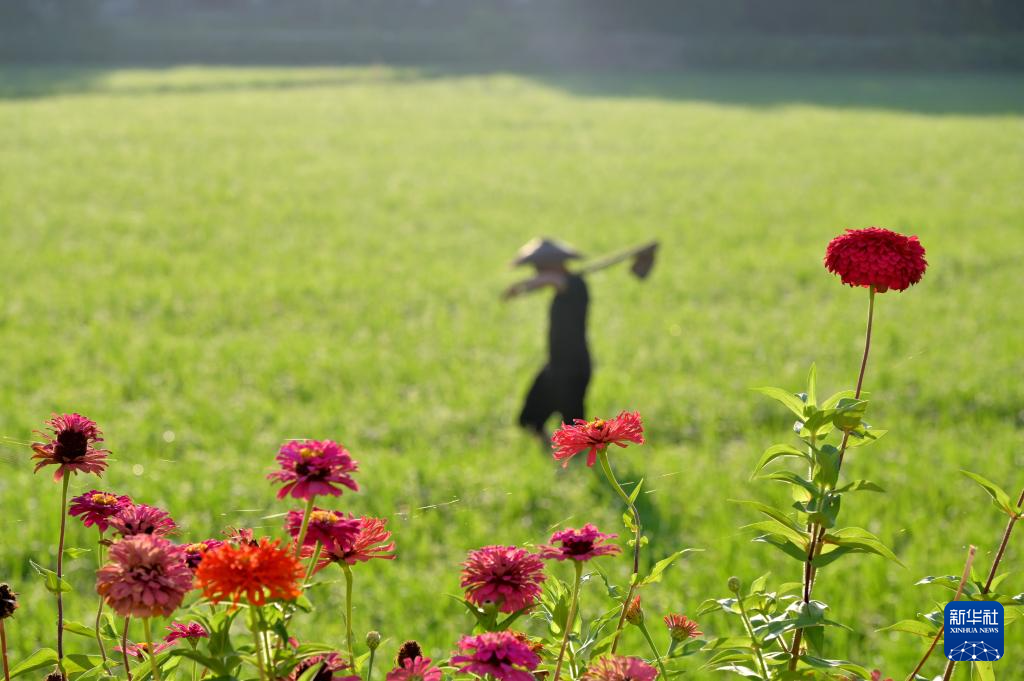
<point>777,452</point>
<point>44,657</point>
<point>662,565</point>
<point>790,400</point>
<point>999,497</point>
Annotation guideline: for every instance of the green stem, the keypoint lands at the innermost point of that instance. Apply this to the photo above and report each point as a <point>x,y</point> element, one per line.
<point>305,527</point>
<point>571,619</point>
<point>99,610</point>
<point>607,468</point>
<point>654,648</point>
<point>3,651</point>
<point>195,663</point>
<point>369,666</point>
<point>124,648</point>
<point>312,564</point>
<point>258,645</point>
<point>149,649</point>
<point>348,615</point>
<point>753,638</point>
<point>60,573</point>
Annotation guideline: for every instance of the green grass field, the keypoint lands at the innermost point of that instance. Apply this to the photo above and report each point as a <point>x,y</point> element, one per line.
<point>209,261</point>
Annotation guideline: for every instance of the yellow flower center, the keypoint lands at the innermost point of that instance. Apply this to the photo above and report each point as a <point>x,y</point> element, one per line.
<point>323,517</point>
<point>105,499</point>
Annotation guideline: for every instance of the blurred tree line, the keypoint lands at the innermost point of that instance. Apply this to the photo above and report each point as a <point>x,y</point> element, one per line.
<point>912,33</point>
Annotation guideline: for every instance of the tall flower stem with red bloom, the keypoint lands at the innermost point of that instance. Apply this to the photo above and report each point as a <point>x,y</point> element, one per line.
<point>60,571</point>
<point>306,515</point>
<point>348,615</point>
<point>571,618</point>
<point>124,647</point>
<point>150,649</point>
<point>637,534</point>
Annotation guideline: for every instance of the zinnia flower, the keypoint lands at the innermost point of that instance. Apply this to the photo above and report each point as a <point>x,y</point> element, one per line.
<point>331,663</point>
<point>256,573</point>
<point>505,575</point>
<point>8,601</point>
<point>190,632</point>
<point>681,627</point>
<point>139,649</point>
<point>876,257</point>
<point>596,435</point>
<point>97,507</point>
<point>615,668</point>
<point>146,577</point>
<point>414,669</point>
<point>142,519</point>
<point>194,552</point>
<point>330,528</point>
<point>70,446</point>
<point>311,468</point>
<point>241,535</point>
<point>371,542</point>
<point>500,654</point>
<point>634,612</point>
<point>582,544</point>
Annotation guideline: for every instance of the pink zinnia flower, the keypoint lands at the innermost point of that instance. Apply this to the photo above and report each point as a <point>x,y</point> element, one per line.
<point>70,446</point>
<point>194,552</point>
<point>500,654</point>
<point>582,544</point>
<point>414,669</point>
<point>142,519</point>
<point>876,257</point>
<point>190,632</point>
<point>330,664</point>
<point>596,435</point>
<point>97,507</point>
<point>241,536</point>
<point>330,528</point>
<point>681,627</point>
<point>505,575</point>
<point>146,577</point>
<point>615,668</point>
<point>311,468</point>
<point>139,649</point>
<point>373,541</point>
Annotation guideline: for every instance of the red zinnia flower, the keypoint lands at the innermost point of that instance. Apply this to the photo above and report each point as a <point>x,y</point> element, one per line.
<point>331,528</point>
<point>146,577</point>
<point>70,446</point>
<point>373,541</point>
<point>505,575</point>
<point>330,663</point>
<point>311,468</point>
<point>97,507</point>
<point>681,627</point>
<point>500,654</point>
<point>189,632</point>
<point>876,257</point>
<point>137,519</point>
<point>582,544</point>
<point>615,668</point>
<point>596,435</point>
<point>414,669</point>
<point>256,573</point>
<point>194,552</point>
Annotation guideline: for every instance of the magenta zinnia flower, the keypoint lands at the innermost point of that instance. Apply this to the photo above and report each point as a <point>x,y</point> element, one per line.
<point>70,446</point>
<point>311,468</point>
<point>139,649</point>
<point>97,507</point>
<point>142,519</point>
<point>146,577</point>
<point>505,575</point>
<point>331,663</point>
<point>190,632</point>
<point>373,541</point>
<point>194,552</point>
<point>595,436</point>
<point>330,528</point>
<point>582,544</point>
<point>500,654</point>
<point>414,669</point>
<point>615,668</point>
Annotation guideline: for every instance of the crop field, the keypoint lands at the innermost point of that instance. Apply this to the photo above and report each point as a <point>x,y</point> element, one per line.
<point>209,261</point>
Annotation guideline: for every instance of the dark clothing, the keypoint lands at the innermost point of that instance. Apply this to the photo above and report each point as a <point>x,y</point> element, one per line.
<point>561,384</point>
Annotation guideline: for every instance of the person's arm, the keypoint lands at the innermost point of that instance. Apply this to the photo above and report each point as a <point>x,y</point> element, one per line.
<point>542,279</point>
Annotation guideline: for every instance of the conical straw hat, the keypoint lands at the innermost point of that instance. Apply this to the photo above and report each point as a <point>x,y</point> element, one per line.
<point>540,252</point>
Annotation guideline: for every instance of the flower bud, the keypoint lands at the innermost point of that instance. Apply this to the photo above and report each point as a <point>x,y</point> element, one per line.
<point>372,639</point>
<point>734,584</point>
<point>8,601</point>
<point>634,613</point>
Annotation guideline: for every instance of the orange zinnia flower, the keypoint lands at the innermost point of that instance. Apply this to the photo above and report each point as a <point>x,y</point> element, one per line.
<point>255,573</point>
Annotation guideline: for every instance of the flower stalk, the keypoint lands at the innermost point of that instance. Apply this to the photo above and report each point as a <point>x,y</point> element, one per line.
<point>573,604</point>
<point>124,648</point>
<point>602,456</point>
<point>3,651</point>
<point>654,648</point>
<point>305,526</point>
<point>60,572</point>
<point>348,615</point>
<point>154,667</point>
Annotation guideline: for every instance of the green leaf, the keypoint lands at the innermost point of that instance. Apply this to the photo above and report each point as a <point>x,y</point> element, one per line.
<point>211,663</point>
<point>982,671</point>
<point>859,486</point>
<point>790,400</point>
<point>777,452</point>
<point>833,400</point>
<point>812,386</point>
<point>853,540</point>
<point>915,627</point>
<point>777,529</point>
<point>75,552</point>
<point>80,629</point>
<point>849,413</point>
<point>662,565</point>
<point>773,513</point>
<point>636,491</point>
<point>792,478</point>
<point>999,497</point>
<point>53,585</point>
<point>863,435</point>
<point>826,467</point>
<point>44,657</point>
<point>784,545</point>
